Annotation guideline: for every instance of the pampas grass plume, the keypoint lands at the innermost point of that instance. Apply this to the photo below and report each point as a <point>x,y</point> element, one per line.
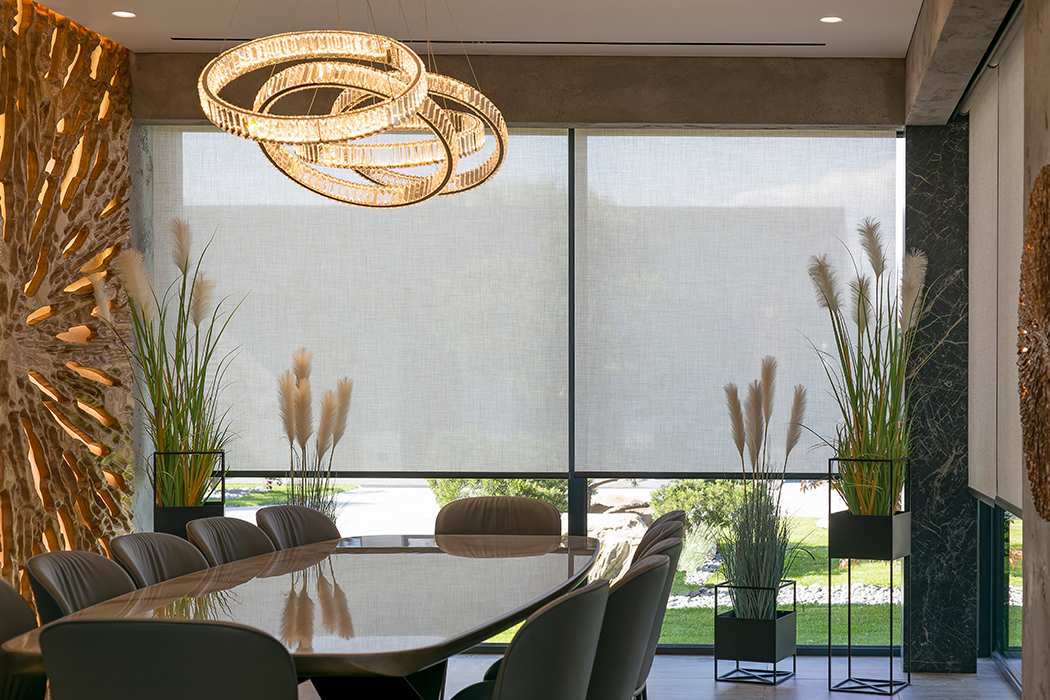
<point>286,395</point>
<point>344,622</point>
<point>861,289</point>
<point>181,242</point>
<point>304,416</point>
<point>798,415</point>
<point>203,299</point>
<point>131,268</point>
<point>871,242</point>
<point>343,391</point>
<point>769,381</point>
<point>304,620</point>
<point>329,405</point>
<point>289,618</point>
<point>753,421</point>
<point>823,277</point>
<point>327,601</point>
<point>101,296</point>
<point>913,281</point>
<point>736,417</point>
<point>301,364</point>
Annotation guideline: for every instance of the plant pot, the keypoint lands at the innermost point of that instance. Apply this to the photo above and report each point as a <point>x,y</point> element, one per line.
<point>760,641</point>
<point>173,519</point>
<point>881,537</point>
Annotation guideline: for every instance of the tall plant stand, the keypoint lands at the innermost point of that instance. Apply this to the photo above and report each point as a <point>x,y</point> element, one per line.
<point>758,641</point>
<point>874,537</point>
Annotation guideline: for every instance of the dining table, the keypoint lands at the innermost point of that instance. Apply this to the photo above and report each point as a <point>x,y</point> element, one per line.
<point>372,614</point>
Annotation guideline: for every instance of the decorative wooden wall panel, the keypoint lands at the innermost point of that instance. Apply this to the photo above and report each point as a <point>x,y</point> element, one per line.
<point>65,401</point>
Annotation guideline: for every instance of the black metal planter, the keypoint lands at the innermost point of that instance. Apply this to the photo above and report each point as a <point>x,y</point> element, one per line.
<point>768,641</point>
<point>172,519</point>
<point>873,537</point>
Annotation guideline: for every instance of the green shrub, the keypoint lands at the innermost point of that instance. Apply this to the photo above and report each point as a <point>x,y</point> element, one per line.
<point>706,502</point>
<point>553,491</point>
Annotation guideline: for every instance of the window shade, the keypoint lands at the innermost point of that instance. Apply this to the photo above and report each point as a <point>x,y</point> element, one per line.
<point>450,316</point>
<point>692,251</point>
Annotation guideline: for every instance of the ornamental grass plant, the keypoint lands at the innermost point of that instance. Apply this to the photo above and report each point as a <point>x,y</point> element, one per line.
<point>755,543</point>
<point>175,343</point>
<point>309,474</point>
<point>874,338</point>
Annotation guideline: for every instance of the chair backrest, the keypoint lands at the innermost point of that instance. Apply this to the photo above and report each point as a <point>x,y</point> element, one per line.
<point>152,557</point>
<point>291,526</point>
<point>551,655</point>
<point>222,540</point>
<point>164,660</point>
<point>625,631</point>
<point>16,618</point>
<point>498,515</point>
<point>64,582</point>
<point>655,533</point>
<point>678,515</point>
<point>672,549</point>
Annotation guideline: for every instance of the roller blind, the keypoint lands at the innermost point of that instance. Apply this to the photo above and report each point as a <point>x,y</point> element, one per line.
<point>450,316</point>
<point>692,250</point>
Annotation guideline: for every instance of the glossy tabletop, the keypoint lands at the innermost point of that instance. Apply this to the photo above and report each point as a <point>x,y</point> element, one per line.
<point>382,605</point>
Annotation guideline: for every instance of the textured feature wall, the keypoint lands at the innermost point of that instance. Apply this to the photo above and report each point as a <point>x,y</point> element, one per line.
<point>65,401</point>
<point>943,581</point>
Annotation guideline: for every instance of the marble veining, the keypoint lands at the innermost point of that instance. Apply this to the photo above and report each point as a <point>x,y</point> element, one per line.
<point>942,583</point>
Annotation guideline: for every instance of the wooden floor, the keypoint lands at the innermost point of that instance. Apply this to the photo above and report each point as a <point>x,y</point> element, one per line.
<point>692,678</point>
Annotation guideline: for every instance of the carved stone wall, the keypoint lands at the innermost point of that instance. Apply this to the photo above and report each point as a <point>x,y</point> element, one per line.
<point>65,400</point>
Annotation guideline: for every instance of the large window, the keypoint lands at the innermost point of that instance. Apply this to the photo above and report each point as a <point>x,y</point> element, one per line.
<point>688,252</point>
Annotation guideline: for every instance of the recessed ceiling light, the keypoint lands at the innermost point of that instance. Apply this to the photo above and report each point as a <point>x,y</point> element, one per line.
<point>126,15</point>
<point>830,20</point>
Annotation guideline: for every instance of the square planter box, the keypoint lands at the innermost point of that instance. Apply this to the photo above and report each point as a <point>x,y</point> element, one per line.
<point>882,537</point>
<point>760,641</point>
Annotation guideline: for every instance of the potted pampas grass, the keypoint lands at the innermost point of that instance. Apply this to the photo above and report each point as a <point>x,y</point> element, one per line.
<point>874,338</point>
<point>175,342</point>
<point>310,471</point>
<point>755,545</point>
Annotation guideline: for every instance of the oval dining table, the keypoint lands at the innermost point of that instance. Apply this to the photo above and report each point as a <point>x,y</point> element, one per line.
<point>373,614</point>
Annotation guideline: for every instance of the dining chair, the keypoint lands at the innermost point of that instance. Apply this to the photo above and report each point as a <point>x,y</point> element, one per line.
<point>152,557</point>
<point>628,623</point>
<point>291,526</point>
<point>65,582</point>
<point>663,531</point>
<point>678,515</point>
<point>498,515</point>
<point>165,660</point>
<point>16,618</point>
<point>222,540</point>
<point>672,549</point>
<point>552,654</point>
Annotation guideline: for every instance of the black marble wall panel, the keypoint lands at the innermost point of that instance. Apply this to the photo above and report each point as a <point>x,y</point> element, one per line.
<point>942,583</point>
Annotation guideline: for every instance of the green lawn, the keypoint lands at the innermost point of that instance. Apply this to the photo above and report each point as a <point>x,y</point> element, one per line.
<point>274,496</point>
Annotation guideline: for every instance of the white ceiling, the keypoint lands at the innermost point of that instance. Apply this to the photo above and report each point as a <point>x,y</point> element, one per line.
<point>870,28</point>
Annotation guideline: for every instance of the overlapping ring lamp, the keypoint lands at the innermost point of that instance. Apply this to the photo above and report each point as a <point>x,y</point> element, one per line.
<point>382,87</point>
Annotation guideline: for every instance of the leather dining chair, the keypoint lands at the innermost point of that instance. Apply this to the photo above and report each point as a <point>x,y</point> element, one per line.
<point>65,582</point>
<point>670,528</point>
<point>16,618</point>
<point>165,660</point>
<point>678,515</point>
<point>152,557</point>
<point>498,515</point>
<point>552,654</point>
<point>292,526</point>
<point>672,549</point>
<point>628,623</point>
<point>222,540</point>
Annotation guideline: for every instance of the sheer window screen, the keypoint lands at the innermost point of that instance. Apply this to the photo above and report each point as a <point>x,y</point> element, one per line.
<point>450,316</point>
<point>691,265</point>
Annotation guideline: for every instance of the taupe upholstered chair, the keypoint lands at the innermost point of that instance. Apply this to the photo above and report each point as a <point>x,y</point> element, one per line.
<point>222,540</point>
<point>498,515</point>
<point>677,515</point>
<point>633,603</point>
<point>291,526</point>
<point>64,582</point>
<point>655,533</point>
<point>152,557</point>
<point>672,549</point>
<point>16,618</point>
<point>551,655</point>
<point>164,660</point>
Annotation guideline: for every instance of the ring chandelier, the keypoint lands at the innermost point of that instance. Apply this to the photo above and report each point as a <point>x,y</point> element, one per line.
<point>381,87</point>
